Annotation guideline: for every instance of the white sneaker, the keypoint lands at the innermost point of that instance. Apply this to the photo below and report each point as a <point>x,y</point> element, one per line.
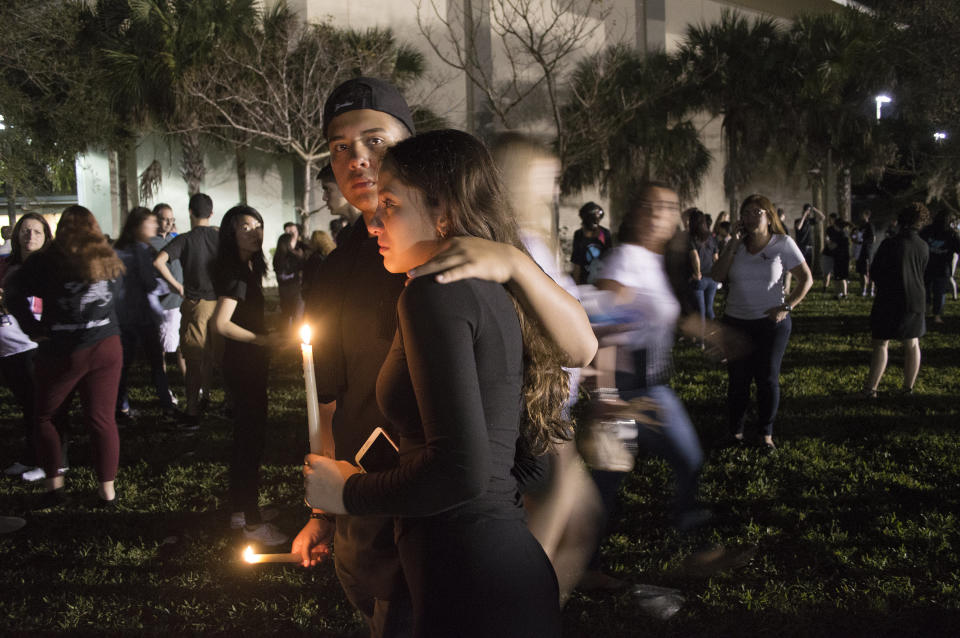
<point>237,520</point>
<point>17,469</point>
<point>267,514</point>
<point>37,473</point>
<point>265,533</point>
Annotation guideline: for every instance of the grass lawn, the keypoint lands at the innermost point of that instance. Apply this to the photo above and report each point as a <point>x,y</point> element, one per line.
<point>855,518</point>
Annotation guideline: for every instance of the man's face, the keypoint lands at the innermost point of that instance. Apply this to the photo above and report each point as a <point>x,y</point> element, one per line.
<point>166,220</point>
<point>332,196</point>
<point>293,231</point>
<point>358,140</point>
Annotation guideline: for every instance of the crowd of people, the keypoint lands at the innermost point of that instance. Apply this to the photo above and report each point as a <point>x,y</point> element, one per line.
<point>449,327</point>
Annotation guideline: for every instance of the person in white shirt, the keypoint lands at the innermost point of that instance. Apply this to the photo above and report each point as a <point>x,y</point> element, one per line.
<point>754,266</point>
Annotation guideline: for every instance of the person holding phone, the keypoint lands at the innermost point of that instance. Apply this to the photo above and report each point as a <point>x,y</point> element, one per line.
<point>467,362</point>
<point>754,266</point>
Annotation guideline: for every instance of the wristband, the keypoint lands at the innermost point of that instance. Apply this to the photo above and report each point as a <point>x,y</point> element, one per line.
<point>323,516</point>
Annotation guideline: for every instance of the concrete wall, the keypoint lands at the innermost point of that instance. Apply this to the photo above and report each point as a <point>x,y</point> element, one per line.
<point>269,185</point>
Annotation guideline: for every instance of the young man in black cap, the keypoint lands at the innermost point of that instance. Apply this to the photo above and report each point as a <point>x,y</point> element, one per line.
<point>354,310</point>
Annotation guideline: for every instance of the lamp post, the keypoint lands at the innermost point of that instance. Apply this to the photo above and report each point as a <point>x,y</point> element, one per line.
<point>881,100</point>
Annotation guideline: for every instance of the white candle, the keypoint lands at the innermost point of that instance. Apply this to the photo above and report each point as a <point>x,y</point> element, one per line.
<point>310,380</point>
<point>252,558</point>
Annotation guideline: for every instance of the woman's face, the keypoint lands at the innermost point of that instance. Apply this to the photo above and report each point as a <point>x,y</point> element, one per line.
<point>249,235</point>
<point>405,229</point>
<point>31,236</point>
<point>754,218</point>
<point>147,229</point>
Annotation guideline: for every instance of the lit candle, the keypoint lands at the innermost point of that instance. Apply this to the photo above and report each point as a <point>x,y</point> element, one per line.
<point>252,558</point>
<point>310,380</point>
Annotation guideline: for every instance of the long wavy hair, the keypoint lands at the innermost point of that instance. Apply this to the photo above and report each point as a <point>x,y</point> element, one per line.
<point>136,218</point>
<point>456,175</point>
<point>81,251</point>
<point>16,250</point>
<point>228,261</point>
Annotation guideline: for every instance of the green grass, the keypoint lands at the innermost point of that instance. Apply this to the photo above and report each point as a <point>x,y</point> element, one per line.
<point>855,517</point>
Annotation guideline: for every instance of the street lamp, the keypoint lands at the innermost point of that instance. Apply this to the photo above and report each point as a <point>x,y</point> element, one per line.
<point>882,99</point>
<point>940,136</point>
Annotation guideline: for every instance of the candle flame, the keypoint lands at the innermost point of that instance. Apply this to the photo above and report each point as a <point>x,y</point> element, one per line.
<point>248,554</point>
<point>305,333</point>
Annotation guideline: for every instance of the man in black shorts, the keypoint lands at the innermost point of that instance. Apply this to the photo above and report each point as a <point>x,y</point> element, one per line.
<point>354,311</point>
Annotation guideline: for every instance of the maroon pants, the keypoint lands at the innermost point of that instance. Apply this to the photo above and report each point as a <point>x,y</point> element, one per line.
<point>95,371</point>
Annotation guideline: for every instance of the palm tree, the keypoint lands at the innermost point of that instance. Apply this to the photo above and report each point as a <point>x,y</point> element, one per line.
<point>627,121</point>
<point>152,47</point>
<point>838,65</point>
<point>738,66</point>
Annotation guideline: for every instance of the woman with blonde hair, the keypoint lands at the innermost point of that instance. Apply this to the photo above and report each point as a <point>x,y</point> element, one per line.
<point>754,266</point>
<point>79,342</point>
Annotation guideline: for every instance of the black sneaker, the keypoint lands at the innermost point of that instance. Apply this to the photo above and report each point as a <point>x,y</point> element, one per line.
<point>51,500</point>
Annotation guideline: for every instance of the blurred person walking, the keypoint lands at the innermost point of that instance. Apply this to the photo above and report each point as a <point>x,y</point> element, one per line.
<point>139,311</point>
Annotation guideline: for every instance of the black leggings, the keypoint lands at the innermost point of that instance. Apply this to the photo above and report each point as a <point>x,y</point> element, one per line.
<point>762,365</point>
<point>245,375</point>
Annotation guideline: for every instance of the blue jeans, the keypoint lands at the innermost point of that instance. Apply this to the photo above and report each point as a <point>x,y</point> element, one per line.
<point>762,365</point>
<point>666,432</point>
<point>937,293</point>
<point>147,336</point>
<point>704,292</point>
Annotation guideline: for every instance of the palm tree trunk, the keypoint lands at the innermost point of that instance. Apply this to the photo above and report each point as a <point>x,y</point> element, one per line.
<point>11,194</point>
<point>240,153</point>
<point>844,193</point>
<point>191,161</point>
<point>816,198</point>
<point>730,183</point>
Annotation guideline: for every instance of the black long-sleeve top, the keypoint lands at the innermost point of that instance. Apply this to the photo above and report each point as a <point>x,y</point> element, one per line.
<point>452,388</point>
<point>76,314</point>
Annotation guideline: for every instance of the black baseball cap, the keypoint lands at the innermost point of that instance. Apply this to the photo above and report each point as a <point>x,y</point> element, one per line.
<point>367,93</point>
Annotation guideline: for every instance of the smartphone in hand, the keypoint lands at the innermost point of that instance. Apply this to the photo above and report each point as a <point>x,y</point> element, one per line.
<point>378,454</point>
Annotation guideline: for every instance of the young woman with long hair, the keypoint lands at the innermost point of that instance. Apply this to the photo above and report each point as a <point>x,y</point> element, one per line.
<point>239,316</point>
<point>79,342</point>
<point>138,310</point>
<point>754,266</point>
<point>31,234</point>
<point>468,374</point>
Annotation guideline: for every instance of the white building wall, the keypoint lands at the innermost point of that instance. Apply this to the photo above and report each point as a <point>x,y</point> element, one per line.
<point>93,189</point>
